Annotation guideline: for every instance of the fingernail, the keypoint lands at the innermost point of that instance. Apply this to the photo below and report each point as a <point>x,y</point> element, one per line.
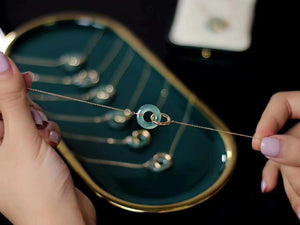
<point>4,63</point>
<point>263,186</point>
<point>270,146</point>
<point>54,137</point>
<point>298,213</point>
<point>36,117</point>
<point>39,118</point>
<point>43,116</point>
<point>44,119</point>
<point>29,74</point>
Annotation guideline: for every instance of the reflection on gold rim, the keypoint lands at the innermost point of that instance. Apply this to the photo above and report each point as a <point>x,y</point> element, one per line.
<point>139,47</point>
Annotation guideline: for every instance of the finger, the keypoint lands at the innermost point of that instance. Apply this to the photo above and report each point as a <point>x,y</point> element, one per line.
<point>292,175</point>
<point>40,119</point>
<point>281,107</point>
<point>51,134</point>
<point>49,130</point>
<point>295,130</point>
<point>1,129</point>
<point>38,115</point>
<point>34,105</point>
<point>18,123</point>
<point>28,78</point>
<point>285,148</point>
<point>87,208</point>
<point>292,195</point>
<point>269,176</point>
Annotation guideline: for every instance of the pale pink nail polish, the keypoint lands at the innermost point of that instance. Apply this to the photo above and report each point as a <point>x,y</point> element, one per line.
<point>4,63</point>
<point>36,117</point>
<point>43,116</point>
<point>270,146</point>
<point>54,137</point>
<point>298,213</point>
<point>30,75</point>
<point>263,186</point>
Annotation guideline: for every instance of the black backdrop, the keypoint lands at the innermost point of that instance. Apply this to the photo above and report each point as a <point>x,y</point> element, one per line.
<point>236,92</point>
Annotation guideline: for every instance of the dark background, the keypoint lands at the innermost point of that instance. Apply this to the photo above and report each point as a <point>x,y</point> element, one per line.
<point>237,88</point>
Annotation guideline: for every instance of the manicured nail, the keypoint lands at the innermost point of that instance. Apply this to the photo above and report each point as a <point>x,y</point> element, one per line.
<point>39,118</point>
<point>298,212</point>
<point>54,137</point>
<point>43,116</point>
<point>36,117</point>
<point>29,74</point>
<point>4,63</point>
<point>270,146</point>
<point>263,186</point>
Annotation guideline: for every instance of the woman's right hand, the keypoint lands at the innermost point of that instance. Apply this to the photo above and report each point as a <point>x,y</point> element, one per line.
<point>282,150</point>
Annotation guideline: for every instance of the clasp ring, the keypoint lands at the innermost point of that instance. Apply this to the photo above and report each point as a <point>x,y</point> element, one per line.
<point>159,123</point>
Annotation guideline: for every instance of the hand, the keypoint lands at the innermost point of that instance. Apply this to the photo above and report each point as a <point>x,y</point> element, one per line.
<point>36,186</point>
<point>282,151</point>
<point>49,130</point>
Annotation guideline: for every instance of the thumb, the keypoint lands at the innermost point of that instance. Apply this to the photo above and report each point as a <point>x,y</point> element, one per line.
<point>282,149</point>
<point>19,126</point>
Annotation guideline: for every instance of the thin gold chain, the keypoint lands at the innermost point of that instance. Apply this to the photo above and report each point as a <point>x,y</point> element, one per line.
<point>127,111</point>
<point>212,129</point>
<point>114,163</point>
<point>81,101</point>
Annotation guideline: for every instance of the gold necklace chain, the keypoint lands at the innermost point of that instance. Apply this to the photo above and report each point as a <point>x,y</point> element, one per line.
<point>129,112</point>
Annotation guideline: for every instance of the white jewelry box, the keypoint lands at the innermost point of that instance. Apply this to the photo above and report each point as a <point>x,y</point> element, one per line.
<point>213,24</point>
